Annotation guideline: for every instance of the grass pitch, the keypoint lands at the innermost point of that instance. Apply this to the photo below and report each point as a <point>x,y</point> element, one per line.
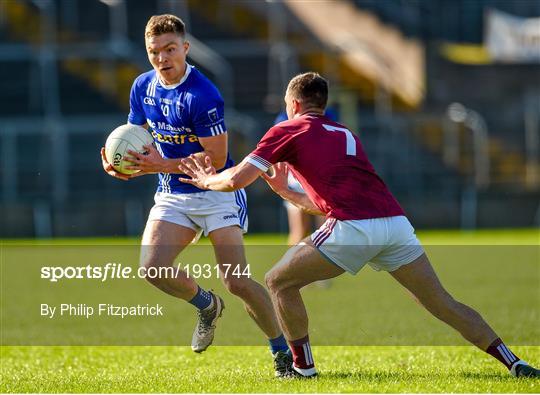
<point>248,370</point>
<point>353,368</point>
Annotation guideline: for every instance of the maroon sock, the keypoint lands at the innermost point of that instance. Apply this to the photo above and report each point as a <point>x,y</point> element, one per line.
<point>498,350</point>
<point>301,351</point>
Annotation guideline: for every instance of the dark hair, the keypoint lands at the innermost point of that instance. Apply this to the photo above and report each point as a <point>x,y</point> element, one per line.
<point>310,89</point>
<point>162,24</point>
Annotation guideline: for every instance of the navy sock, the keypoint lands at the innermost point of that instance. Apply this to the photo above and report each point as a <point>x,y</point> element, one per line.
<point>202,299</point>
<point>278,344</point>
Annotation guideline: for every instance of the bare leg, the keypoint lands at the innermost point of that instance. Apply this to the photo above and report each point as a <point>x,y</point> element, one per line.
<point>420,279</point>
<point>318,221</point>
<point>300,266</point>
<point>229,250</point>
<point>161,243</point>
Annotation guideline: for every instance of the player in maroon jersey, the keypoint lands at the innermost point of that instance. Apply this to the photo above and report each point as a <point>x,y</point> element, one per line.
<point>365,223</point>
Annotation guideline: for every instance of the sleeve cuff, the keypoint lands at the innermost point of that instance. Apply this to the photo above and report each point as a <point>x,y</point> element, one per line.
<point>258,162</point>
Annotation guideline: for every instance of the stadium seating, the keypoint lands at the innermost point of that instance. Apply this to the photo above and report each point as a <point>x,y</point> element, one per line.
<point>407,147</point>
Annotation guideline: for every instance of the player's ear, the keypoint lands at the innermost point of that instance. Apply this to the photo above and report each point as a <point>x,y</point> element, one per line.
<point>186,47</point>
<point>297,106</point>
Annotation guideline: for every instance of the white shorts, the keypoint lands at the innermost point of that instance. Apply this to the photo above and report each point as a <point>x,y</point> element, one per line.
<point>383,243</point>
<point>202,211</point>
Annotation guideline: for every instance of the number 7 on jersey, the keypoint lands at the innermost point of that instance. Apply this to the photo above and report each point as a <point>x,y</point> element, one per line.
<point>351,143</point>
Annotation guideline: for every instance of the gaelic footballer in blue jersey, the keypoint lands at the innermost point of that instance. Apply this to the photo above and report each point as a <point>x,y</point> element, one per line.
<point>184,112</point>
<point>178,116</point>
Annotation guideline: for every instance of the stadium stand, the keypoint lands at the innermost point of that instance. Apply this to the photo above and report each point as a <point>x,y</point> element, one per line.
<point>54,184</point>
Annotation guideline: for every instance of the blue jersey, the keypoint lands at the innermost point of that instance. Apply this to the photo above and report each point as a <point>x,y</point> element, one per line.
<point>177,116</point>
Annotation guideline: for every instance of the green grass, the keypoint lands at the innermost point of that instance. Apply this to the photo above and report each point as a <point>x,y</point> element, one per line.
<point>527,236</point>
<point>394,345</point>
<point>248,370</point>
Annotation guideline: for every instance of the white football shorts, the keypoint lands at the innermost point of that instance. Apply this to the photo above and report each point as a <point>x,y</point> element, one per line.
<point>383,243</point>
<point>202,211</point>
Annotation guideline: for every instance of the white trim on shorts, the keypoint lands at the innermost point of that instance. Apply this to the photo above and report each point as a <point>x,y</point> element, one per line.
<point>383,243</point>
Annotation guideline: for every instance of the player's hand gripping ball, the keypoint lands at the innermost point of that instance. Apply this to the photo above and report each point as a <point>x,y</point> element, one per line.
<point>124,138</point>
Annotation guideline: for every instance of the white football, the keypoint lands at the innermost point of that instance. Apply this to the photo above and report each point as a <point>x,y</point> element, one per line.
<point>124,138</point>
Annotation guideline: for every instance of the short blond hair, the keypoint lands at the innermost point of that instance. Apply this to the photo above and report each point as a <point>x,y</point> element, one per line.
<point>166,23</point>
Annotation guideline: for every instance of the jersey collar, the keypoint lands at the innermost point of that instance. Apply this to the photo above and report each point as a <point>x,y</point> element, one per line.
<point>312,114</point>
<point>173,86</point>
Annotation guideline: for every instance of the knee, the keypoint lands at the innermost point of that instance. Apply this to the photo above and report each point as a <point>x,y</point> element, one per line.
<point>238,286</point>
<point>147,262</point>
<point>153,272</point>
<point>149,268</point>
<point>274,282</point>
<point>270,280</point>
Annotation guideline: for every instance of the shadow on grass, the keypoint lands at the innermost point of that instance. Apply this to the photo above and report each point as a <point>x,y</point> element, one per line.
<point>491,376</point>
<point>402,375</point>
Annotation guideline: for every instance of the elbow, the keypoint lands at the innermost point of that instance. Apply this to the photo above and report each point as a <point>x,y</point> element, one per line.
<point>219,161</point>
<point>218,158</point>
<point>220,164</point>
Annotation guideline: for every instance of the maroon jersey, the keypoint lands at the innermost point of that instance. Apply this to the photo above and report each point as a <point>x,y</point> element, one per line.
<point>330,163</point>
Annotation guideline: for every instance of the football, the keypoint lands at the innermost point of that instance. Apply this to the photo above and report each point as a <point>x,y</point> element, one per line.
<point>124,138</point>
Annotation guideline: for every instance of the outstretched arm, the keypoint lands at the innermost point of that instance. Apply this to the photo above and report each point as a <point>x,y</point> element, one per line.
<point>152,162</point>
<point>203,174</point>
<point>278,182</point>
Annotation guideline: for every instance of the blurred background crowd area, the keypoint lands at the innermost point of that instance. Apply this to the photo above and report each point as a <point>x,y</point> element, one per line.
<point>444,94</point>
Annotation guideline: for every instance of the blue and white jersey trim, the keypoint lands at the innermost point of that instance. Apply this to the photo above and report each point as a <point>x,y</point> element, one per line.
<point>151,89</point>
<point>218,129</point>
<point>165,178</point>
